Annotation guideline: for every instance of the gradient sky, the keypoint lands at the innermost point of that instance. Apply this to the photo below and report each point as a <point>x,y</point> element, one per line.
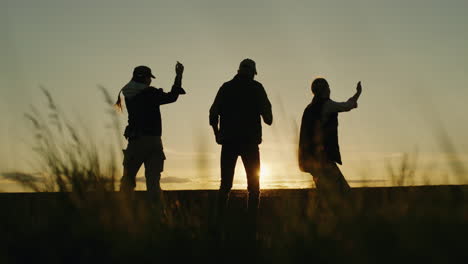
<point>411,57</point>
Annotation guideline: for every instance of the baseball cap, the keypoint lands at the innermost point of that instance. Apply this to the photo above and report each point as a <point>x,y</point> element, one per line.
<point>142,71</point>
<point>248,63</point>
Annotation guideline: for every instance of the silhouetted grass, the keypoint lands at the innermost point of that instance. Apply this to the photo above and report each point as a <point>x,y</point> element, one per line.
<point>79,218</point>
<point>69,158</point>
<point>405,173</point>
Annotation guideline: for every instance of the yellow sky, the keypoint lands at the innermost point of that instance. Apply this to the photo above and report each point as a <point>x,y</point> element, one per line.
<point>411,57</point>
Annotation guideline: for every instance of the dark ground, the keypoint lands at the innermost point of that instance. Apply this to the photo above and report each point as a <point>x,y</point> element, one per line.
<point>385,225</point>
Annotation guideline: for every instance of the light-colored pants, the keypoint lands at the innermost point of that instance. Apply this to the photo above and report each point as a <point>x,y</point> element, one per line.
<point>147,150</point>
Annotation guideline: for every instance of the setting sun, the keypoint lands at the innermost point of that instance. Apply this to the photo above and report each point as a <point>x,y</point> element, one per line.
<point>265,172</point>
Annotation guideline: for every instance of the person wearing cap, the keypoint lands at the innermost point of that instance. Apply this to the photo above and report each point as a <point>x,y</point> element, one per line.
<point>319,151</point>
<point>143,131</point>
<point>235,117</point>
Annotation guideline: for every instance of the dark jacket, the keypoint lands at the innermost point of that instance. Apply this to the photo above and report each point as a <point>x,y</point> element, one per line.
<point>318,141</point>
<point>238,106</point>
<point>144,116</point>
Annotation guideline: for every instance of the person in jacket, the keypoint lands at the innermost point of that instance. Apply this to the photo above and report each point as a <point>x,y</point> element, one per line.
<point>235,117</point>
<point>143,131</point>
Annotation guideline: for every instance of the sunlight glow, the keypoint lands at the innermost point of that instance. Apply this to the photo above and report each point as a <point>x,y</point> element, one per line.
<point>265,172</point>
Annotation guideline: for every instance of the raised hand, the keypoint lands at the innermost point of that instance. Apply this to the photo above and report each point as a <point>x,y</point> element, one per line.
<point>179,68</point>
<point>359,87</point>
<point>355,97</point>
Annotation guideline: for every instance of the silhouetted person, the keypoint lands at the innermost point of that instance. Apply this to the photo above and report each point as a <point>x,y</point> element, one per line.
<point>239,105</point>
<point>319,151</point>
<point>143,131</point>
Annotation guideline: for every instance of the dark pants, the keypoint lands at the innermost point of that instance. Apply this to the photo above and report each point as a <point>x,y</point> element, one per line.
<point>332,187</point>
<point>251,158</point>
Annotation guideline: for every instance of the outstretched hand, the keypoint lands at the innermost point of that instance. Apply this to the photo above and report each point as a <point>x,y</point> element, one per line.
<point>359,88</point>
<point>355,97</point>
<point>179,68</point>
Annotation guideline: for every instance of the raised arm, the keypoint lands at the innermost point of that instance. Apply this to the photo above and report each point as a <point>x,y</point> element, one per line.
<point>178,79</point>
<point>170,97</point>
<point>351,103</point>
<point>355,97</point>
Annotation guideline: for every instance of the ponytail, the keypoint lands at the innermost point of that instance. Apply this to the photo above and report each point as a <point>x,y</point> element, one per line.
<point>118,103</point>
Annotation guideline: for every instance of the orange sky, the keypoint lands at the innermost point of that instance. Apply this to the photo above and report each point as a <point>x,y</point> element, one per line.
<point>411,57</point>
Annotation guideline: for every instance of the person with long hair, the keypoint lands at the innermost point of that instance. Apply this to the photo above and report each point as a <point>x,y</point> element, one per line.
<point>319,151</point>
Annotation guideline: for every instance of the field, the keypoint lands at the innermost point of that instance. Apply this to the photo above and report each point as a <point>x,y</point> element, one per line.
<point>75,216</point>
<point>383,225</point>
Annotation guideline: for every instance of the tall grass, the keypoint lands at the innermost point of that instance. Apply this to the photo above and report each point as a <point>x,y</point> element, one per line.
<point>93,223</point>
<point>69,158</point>
<point>403,173</point>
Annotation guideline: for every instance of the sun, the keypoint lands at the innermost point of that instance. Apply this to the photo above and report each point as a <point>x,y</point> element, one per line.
<point>265,172</point>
